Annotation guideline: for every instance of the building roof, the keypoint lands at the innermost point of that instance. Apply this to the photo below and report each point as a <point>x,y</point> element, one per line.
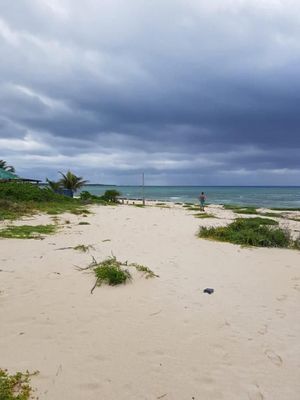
<point>7,175</point>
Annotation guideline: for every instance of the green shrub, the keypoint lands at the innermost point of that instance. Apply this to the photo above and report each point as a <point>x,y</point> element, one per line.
<point>111,196</point>
<point>85,195</point>
<point>15,387</point>
<point>250,232</point>
<point>17,191</point>
<point>89,198</point>
<point>17,199</point>
<point>109,271</point>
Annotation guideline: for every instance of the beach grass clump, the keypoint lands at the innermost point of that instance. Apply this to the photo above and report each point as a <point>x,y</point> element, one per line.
<point>204,215</point>
<point>80,211</point>
<point>187,205</point>
<point>271,214</point>
<point>15,386</point>
<point>110,271</point>
<point>13,210</point>
<point>83,248</point>
<point>240,209</point>
<point>285,209</point>
<point>261,232</point>
<point>27,231</point>
<point>296,243</point>
<point>248,210</point>
<point>145,270</point>
<point>83,223</point>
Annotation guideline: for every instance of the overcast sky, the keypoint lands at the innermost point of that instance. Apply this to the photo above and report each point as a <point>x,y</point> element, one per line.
<point>189,91</point>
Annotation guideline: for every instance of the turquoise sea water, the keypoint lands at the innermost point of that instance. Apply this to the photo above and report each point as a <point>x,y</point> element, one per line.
<point>258,196</point>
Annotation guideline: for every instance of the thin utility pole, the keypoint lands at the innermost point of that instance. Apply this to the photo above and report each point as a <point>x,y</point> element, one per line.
<point>143,188</point>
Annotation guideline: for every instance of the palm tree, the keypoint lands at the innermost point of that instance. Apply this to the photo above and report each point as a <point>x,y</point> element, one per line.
<point>6,167</point>
<point>71,181</point>
<point>55,186</point>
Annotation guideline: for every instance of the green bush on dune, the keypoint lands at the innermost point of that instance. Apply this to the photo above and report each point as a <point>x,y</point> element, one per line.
<point>18,199</point>
<point>16,191</point>
<point>261,232</point>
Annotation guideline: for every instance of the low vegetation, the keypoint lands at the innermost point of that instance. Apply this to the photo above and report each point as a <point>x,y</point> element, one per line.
<point>204,215</point>
<point>80,211</point>
<point>83,223</point>
<point>193,208</point>
<point>271,214</point>
<point>262,232</point>
<point>285,209</point>
<point>83,248</point>
<point>110,196</point>
<point>240,209</point>
<point>27,231</point>
<point>16,386</point>
<point>110,271</point>
<point>19,199</point>
<point>145,270</point>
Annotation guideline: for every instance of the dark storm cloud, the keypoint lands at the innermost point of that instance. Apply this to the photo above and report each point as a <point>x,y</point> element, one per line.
<point>190,92</point>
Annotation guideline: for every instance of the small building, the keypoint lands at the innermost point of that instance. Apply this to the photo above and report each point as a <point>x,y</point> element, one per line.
<point>7,176</point>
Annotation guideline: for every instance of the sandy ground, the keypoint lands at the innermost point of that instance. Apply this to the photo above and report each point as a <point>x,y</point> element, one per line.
<point>159,338</point>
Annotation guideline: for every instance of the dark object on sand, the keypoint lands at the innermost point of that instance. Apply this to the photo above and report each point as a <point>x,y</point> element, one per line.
<point>208,290</point>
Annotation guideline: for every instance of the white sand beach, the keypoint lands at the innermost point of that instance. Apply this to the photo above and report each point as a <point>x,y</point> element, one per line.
<point>158,338</point>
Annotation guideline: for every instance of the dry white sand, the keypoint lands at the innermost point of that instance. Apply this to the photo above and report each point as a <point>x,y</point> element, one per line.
<point>160,338</point>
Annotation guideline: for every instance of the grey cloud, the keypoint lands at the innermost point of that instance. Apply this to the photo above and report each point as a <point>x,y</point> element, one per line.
<point>175,81</point>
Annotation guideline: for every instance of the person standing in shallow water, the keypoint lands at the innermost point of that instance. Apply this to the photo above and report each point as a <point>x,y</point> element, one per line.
<point>202,199</point>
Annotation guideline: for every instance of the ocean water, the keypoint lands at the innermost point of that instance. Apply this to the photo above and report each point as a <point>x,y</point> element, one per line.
<point>258,196</point>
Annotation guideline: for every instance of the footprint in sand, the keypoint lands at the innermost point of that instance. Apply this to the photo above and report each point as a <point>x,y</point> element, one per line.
<point>280,313</point>
<point>273,357</point>
<point>256,396</point>
<point>297,287</point>
<point>282,297</point>
<point>263,330</point>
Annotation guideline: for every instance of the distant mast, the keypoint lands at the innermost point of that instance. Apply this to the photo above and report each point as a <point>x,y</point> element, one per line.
<point>143,188</point>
